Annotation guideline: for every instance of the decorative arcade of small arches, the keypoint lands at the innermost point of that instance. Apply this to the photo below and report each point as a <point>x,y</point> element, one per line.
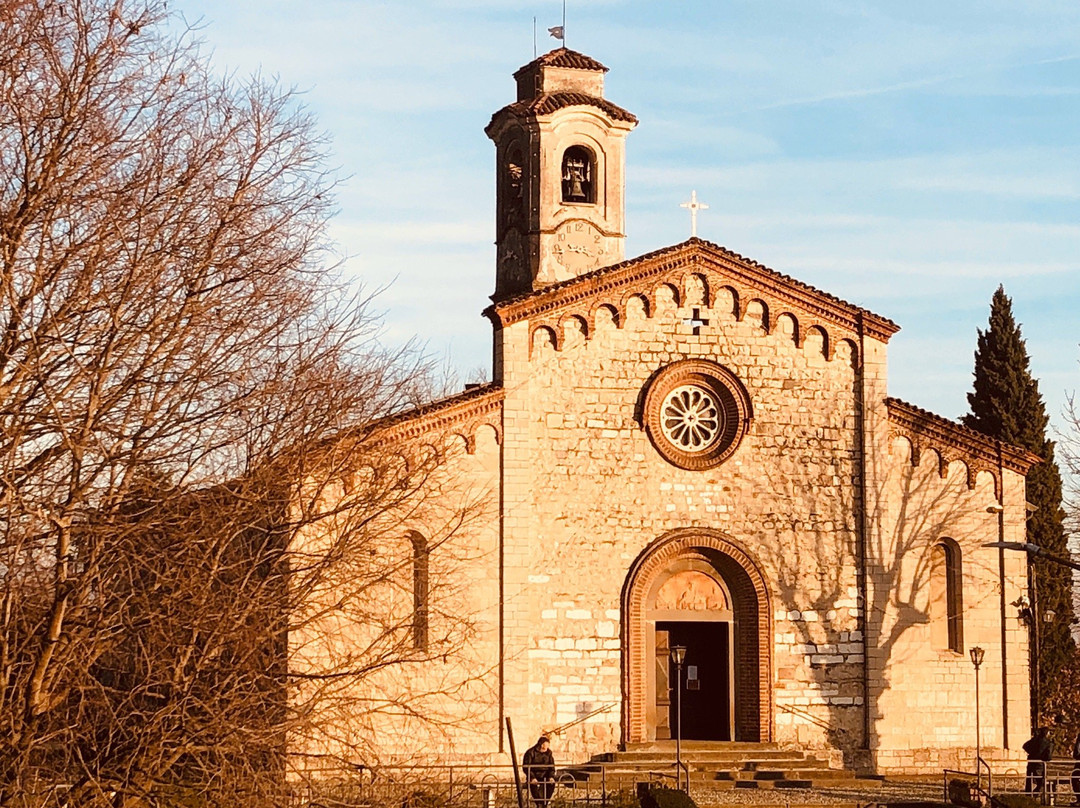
<point>695,288</point>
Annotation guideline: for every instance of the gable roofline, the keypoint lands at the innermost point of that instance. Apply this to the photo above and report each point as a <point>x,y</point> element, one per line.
<point>563,57</point>
<point>475,406</point>
<point>693,252</point>
<point>944,434</point>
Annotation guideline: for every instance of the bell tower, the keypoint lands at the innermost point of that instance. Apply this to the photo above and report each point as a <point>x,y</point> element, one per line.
<point>560,162</point>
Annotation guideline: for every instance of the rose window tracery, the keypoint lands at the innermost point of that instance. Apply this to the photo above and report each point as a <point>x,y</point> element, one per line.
<point>690,418</point>
<point>696,413</point>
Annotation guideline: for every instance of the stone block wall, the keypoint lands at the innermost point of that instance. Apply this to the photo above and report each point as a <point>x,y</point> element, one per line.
<point>924,696</point>
<point>586,493</point>
<point>843,658</point>
<point>436,703</point>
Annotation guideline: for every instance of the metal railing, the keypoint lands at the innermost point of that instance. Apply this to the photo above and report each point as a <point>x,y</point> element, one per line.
<point>562,728</point>
<point>470,786</point>
<point>1051,782</point>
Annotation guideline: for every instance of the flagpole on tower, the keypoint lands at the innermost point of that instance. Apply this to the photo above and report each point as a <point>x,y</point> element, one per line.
<point>559,31</point>
<point>534,37</point>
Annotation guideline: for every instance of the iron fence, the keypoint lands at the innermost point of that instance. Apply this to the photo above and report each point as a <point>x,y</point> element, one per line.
<point>1052,782</point>
<point>473,786</point>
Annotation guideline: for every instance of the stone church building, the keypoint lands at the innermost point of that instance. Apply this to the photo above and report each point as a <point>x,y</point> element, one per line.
<point>687,448</point>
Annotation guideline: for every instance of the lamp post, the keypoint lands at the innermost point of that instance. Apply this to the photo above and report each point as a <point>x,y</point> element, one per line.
<point>977,655</point>
<point>678,656</point>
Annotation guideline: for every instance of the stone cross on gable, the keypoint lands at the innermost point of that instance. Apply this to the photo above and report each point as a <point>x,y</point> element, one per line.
<point>694,206</point>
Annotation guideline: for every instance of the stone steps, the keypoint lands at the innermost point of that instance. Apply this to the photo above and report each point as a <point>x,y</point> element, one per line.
<point>717,766</point>
<point>702,756</point>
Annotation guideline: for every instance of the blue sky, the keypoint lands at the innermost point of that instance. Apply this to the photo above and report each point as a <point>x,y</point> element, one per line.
<point>907,157</point>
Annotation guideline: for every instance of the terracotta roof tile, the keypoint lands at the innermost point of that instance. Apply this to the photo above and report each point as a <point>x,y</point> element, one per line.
<point>469,395</point>
<point>1012,456</point>
<point>563,57</point>
<point>550,102</point>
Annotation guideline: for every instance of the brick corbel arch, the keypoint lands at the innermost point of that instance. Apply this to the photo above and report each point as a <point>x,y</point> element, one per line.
<point>753,629</point>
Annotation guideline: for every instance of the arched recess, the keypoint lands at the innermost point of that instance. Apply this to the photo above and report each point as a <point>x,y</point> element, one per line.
<point>946,611</point>
<point>739,577</point>
<point>420,584</point>
<point>578,175</point>
<point>542,337</point>
<point>604,316</point>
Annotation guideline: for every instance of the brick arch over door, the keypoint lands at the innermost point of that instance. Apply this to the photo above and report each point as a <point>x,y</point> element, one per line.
<point>752,629</point>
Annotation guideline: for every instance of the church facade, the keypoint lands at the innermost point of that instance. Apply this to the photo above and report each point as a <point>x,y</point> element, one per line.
<point>689,449</point>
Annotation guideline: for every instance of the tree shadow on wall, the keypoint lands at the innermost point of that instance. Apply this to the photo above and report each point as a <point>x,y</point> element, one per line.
<point>852,589</point>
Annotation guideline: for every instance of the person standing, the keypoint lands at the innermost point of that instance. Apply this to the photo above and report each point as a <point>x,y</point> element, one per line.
<point>1039,749</point>
<point>539,766</point>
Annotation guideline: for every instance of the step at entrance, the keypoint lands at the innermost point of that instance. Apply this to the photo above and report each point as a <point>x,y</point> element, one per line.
<point>720,765</point>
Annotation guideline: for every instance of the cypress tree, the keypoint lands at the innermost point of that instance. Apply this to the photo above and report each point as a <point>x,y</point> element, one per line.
<point>1006,404</point>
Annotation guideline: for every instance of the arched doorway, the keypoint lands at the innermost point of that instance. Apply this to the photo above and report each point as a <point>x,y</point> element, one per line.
<point>697,588</point>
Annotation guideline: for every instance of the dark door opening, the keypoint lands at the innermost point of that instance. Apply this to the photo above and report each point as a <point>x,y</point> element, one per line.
<point>706,679</point>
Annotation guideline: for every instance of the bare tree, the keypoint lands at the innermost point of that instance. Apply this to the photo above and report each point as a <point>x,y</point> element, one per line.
<point>1070,455</point>
<point>176,363</point>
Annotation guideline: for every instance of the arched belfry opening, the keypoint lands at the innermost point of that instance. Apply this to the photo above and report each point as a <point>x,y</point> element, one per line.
<point>698,589</point>
<point>579,176</point>
<point>512,189</point>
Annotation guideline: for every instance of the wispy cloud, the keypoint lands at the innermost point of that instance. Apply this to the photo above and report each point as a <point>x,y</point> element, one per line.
<point>906,156</point>
<point>863,92</point>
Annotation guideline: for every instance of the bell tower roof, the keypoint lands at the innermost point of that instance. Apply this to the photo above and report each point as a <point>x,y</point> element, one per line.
<point>560,70</point>
<point>558,79</point>
<point>563,57</point>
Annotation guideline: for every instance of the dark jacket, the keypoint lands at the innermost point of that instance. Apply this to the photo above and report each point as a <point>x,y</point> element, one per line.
<point>538,765</point>
<point>1040,747</point>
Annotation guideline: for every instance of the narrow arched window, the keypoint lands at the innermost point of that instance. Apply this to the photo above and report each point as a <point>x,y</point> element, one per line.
<point>579,175</point>
<point>513,187</point>
<point>420,555</point>
<point>946,597</point>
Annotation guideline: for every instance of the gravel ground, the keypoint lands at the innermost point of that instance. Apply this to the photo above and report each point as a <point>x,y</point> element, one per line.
<point>889,791</point>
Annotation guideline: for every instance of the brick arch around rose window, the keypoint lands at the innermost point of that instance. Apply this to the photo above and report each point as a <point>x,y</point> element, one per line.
<point>752,629</point>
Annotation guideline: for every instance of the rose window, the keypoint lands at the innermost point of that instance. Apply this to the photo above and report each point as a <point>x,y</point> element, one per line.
<point>690,417</point>
<point>696,413</point>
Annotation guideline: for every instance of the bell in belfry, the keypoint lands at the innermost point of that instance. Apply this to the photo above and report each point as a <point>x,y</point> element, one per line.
<point>576,191</point>
<point>576,180</point>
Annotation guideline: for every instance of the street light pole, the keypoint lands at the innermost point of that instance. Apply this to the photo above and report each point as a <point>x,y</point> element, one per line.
<point>1036,640</point>
<point>977,655</point>
<point>1034,550</point>
<point>678,656</point>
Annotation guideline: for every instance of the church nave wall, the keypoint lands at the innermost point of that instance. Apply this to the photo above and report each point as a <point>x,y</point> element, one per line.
<point>923,678</point>
<point>414,602</point>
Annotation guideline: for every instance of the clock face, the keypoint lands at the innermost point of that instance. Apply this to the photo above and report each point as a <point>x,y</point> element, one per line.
<point>579,247</point>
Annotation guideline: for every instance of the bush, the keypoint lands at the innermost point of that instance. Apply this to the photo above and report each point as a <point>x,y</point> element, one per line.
<point>661,797</point>
<point>622,799</point>
<point>960,794</point>
<point>421,799</point>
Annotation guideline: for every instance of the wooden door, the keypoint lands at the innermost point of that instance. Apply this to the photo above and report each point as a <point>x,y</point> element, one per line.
<point>663,687</point>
